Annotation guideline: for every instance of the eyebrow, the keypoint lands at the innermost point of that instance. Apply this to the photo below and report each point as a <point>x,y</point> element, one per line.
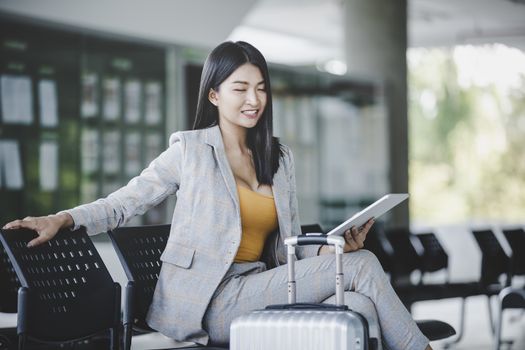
<point>246,83</point>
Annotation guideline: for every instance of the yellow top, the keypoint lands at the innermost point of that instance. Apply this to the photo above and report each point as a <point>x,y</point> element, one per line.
<point>258,219</point>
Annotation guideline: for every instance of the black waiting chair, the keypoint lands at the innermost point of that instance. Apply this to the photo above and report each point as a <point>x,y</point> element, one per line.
<point>311,228</point>
<point>516,239</point>
<point>509,298</point>
<point>67,295</point>
<point>435,259</point>
<point>425,254</point>
<point>495,263</point>
<point>496,267</point>
<point>139,249</point>
<point>512,297</point>
<point>9,285</point>
<point>377,243</point>
<point>408,257</point>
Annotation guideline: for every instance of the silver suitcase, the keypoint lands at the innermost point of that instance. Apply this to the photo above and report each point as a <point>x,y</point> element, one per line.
<point>297,326</point>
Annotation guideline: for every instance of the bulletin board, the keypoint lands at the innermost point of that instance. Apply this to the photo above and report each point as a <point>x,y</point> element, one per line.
<point>80,114</point>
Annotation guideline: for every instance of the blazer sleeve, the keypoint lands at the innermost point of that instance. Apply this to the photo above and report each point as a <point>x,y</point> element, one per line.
<point>160,179</point>
<point>302,251</point>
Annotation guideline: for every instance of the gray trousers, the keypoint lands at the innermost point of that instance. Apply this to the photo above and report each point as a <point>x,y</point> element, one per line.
<point>250,286</point>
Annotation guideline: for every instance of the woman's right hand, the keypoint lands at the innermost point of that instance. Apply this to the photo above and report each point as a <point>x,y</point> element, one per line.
<point>45,226</point>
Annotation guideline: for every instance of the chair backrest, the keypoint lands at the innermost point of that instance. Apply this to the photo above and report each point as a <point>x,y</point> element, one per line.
<point>67,293</point>
<point>435,258</point>
<point>377,243</point>
<point>9,284</point>
<point>408,254</point>
<point>494,260</point>
<point>312,228</point>
<point>516,239</point>
<point>139,249</point>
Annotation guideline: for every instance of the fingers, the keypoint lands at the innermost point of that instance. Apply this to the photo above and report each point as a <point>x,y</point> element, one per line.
<point>363,230</point>
<point>41,225</point>
<point>352,243</point>
<point>42,238</point>
<point>25,223</point>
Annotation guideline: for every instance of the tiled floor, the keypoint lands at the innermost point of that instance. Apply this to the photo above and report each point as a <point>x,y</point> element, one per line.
<point>477,334</point>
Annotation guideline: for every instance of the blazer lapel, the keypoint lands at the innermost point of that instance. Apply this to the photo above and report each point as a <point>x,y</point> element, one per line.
<point>282,202</point>
<point>214,139</point>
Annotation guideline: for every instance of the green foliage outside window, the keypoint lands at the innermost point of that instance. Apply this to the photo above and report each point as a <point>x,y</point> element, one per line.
<point>467,134</point>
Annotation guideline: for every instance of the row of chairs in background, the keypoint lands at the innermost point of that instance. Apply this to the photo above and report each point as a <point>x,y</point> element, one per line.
<point>139,249</point>
<point>404,254</point>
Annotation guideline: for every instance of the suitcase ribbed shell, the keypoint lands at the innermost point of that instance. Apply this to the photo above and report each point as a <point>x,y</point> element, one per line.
<point>298,330</point>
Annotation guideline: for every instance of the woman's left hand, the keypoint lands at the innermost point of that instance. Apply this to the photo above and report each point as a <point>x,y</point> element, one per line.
<point>355,237</point>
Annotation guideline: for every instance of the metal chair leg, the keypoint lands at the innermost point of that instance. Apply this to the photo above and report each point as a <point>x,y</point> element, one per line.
<point>492,321</point>
<point>21,341</point>
<point>499,325</point>
<point>461,325</point>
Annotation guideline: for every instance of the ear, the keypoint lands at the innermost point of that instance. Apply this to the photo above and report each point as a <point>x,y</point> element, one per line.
<point>212,97</point>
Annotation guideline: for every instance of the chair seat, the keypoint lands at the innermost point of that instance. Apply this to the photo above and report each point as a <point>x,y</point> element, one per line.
<point>412,294</point>
<point>8,320</point>
<point>513,299</point>
<point>435,330</point>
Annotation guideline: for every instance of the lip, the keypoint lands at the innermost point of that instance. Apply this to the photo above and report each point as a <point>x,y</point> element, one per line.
<point>253,115</point>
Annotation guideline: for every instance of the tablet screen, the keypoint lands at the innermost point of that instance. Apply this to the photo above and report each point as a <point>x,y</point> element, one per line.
<point>374,210</point>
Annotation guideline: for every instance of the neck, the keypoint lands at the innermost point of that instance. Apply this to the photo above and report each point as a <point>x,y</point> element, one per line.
<point>234,137</point>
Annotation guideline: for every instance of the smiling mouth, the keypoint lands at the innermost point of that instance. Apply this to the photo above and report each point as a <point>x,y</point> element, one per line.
<point>250,113</point>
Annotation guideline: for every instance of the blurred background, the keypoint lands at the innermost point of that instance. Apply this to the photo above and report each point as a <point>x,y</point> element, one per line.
<point>376,96</point>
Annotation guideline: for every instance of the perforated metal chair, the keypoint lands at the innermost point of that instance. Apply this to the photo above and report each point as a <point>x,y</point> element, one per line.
<point>66,292</point>
<point>434,258</point>
<point>139,249</point>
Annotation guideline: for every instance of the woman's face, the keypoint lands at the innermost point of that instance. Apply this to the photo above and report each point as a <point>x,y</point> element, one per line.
<point>241,98</point>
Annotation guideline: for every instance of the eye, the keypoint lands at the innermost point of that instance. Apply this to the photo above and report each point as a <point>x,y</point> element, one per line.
<point>239,90</point>
<point>262,89</point>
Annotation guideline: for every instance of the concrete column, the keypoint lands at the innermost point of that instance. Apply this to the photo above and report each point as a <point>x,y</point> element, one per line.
<point>375,48</point>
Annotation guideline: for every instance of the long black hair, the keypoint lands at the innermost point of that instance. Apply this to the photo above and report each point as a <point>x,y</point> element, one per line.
<point>219,65</point>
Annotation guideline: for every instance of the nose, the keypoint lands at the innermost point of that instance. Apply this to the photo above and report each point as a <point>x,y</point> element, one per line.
<point>251,97</point>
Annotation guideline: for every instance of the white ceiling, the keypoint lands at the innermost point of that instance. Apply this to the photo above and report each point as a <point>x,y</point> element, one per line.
<point>286,31</point>
<point>201,23</point>
<point>317,26</point>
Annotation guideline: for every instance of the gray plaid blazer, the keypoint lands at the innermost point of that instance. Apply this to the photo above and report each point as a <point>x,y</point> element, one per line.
<point>206,224</point>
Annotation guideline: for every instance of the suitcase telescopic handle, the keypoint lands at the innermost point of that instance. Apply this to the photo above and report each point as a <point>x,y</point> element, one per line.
<point>337,241</point>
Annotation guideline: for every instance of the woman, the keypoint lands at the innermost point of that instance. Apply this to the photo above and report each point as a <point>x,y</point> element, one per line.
<point>235,184</point>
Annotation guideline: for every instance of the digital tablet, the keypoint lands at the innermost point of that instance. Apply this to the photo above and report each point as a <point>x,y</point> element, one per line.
<point>374,210</point>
